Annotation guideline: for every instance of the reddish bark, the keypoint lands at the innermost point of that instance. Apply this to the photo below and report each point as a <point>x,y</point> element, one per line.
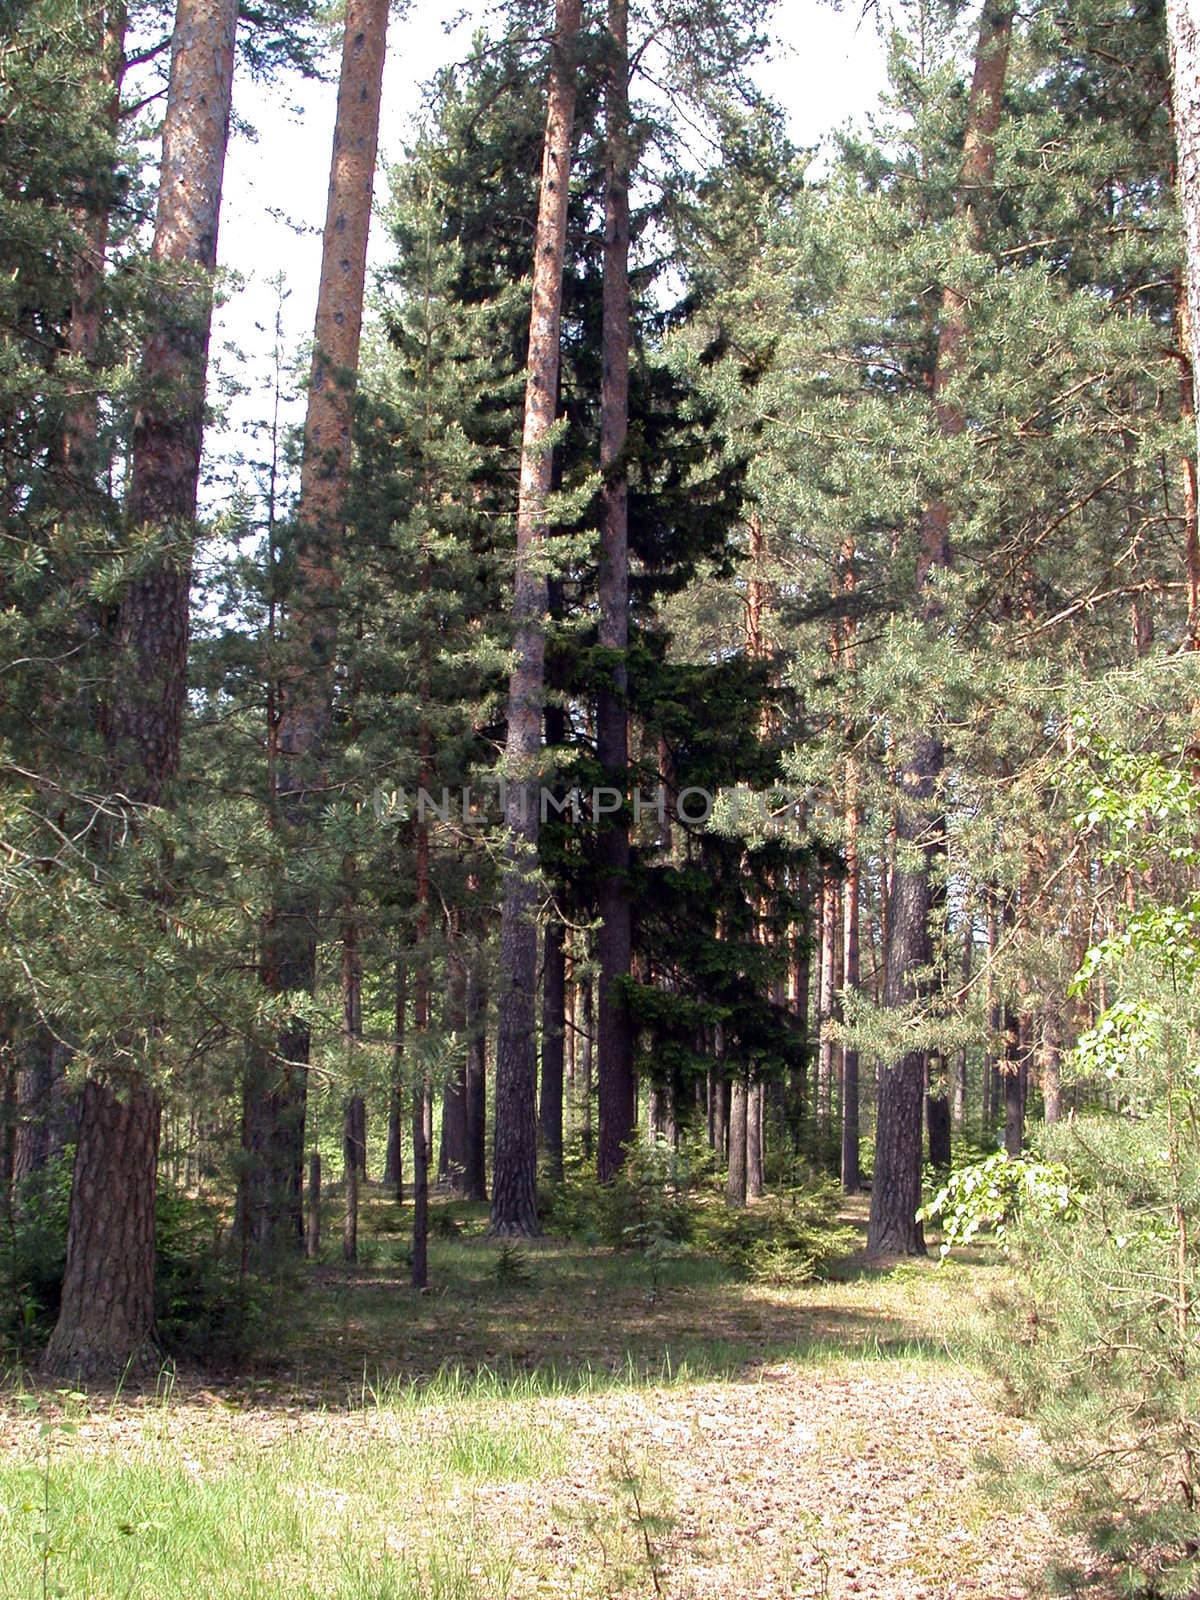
<point>106,1317</point>
<point>275,1088</point>
<point>614,943</point>
<point>896,1187</point>
<point>514,1178</point>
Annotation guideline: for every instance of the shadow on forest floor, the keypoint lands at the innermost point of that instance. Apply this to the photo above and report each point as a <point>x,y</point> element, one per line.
<point>554,1317</point>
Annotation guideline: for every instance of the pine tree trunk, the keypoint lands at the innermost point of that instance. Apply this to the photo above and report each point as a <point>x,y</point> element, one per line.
<point>393,1173</point>
<point>421,1092</point>
<point>1052,1049</point>
<point>618,1111</point>
<point>514,1164</point>
<point>587,1022</point>
<point>830,906</point>
<point>420,1248</point>
<point>271,1194</point>
<point>756,1185</point>
<point>106,1316</point>
<point>851,1177</point>
<point>312,1236</point>
<point>554,1003</point>
<point>81,423</point>
<point>475,1177</point>
<point>736,1182</point>
<point>452,1157</point>
<point>106,1326</point>
<point>1014,1106</point>
<point>350,1158</point>
<point>799,981</point>
<point>1183,32</point>
<point>896,1187</point>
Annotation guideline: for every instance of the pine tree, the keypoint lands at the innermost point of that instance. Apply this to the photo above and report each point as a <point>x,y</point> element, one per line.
<point>107,1313</point>
<point>514,1200</point>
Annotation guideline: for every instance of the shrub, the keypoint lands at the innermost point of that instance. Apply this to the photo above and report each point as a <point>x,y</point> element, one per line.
<point>786,1241</point>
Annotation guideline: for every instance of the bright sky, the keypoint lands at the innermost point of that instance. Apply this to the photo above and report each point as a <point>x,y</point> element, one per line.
<point>827,68</point>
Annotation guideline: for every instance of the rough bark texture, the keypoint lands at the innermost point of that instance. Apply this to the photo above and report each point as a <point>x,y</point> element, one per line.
<point>1052,1052</point>
<point>756,1185</point>
<point>830,933</point>
<point>106,1317</point>
<point>452,1155</point>
<point>106,1327</point>
<point>1014,1099</point>
<point>514,1166</point>
<point>475,1176</point>
<point>851,1176</point>
<point>1183,31</point>
<point>422,1098</point>
<point>312,1237</point>
<point>896,1186</point>
<point>735,1184</point>
<point>554,1007</point>
<point>276,1084</point>
<point>393,1173</point>
<point>937,1123</point>
<point>615,1053</point>
<point>81,421</point>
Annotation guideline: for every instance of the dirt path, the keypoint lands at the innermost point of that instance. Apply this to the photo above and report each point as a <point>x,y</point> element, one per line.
<point>850,1482</point>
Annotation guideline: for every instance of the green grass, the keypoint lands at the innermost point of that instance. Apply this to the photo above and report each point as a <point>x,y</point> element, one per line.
<point>470,1441</point>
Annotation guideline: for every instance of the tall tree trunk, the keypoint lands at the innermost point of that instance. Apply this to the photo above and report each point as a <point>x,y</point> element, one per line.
<point>735,1185</point>
<point>452,1157</point>
<point>830,932</point>
<point>81,423</point>
<point>393,1173</point>
<point>514,1164</point>
<point>554,1004</point>
<point>851,1176</point>
<point>896,1186</point>
<point>421,1094</point>
<point>756,1185</point>
<point>1052,1050</point>
<point>799,980</point>
<point>475,1177</point>
<point>355,1119</point>
<point>618,1111</point>
<point>1014,1100</point>
<point>1183,32</point>
<point>106,1324</point>
<point>106,1317</point>
<point>275,1090</point>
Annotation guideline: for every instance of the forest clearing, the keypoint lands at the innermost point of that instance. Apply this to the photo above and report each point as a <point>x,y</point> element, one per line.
<point>706,1438</point>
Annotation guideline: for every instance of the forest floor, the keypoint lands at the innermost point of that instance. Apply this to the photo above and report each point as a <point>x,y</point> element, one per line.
<point>574,1423</point>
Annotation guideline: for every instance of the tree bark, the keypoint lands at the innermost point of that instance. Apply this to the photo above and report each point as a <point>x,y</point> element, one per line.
<point>312,1236</point>
<point>1183,33</point>
<point>106,1317</point>
<point>81,424</point>
<point>617,1090</point>
<point>896,1187</point>
<point>830,930</point>
<point>851,1176</point>
<point>514,1164</point>
<point>106,1327</point>
<point>276,1083</point>
<point>756,1185</point>
<point>736,1181</point>
<point>554,1003</point>
<point>475,1176</point>
<point>452,1157</point>
<point>393,1174</point>
<point>1014,1100</point>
